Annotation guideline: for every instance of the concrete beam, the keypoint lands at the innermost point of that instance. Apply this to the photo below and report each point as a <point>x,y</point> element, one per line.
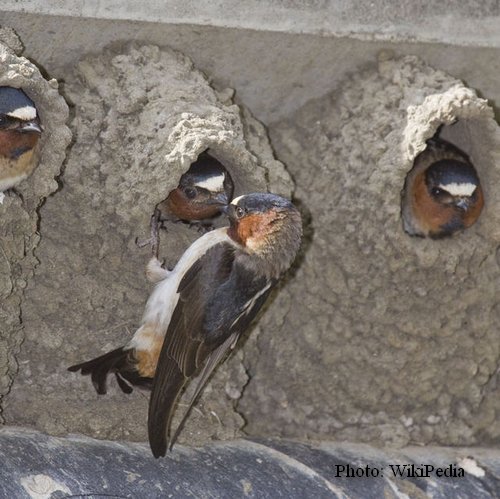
<point>467,23</point>
<point>38,466</point>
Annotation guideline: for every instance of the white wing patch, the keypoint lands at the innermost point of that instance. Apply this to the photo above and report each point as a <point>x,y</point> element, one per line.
<point>212,184</point>
<point>26,113</point>
<point>250,303</point>
<point>463,189</point>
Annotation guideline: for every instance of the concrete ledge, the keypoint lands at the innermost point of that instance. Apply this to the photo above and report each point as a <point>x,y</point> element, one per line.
<point>36,465</point>
<point>460,23</point>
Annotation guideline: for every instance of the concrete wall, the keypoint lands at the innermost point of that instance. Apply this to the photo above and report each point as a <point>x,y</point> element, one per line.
<point>273,71</point>
<point>331,82</point>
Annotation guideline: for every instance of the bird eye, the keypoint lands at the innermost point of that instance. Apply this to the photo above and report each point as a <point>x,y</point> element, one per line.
<point>436,191</point>
<point>239,211</point>
<point>190,192</point>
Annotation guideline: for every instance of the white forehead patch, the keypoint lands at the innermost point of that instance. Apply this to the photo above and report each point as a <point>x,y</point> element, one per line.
<point>465,189</point>
<point>235,200</point>
<point>26,113</point>
<point>212,184</point>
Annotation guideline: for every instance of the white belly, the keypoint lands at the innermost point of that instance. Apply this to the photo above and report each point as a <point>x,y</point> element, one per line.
<point>163,299</point>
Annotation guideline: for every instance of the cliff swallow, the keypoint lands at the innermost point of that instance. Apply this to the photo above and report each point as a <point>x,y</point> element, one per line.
<point>19,133</point>
<point>442,193</point>
<point>202,191</point>
<point>197,311</point>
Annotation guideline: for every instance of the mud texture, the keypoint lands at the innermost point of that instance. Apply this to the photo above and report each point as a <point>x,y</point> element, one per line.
<point>19,211</point>
<point>381,337</point>
<point>141,116</point>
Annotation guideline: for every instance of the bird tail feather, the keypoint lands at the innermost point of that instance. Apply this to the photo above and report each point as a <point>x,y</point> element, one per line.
<point>161,405</point>
<point>120,362</point>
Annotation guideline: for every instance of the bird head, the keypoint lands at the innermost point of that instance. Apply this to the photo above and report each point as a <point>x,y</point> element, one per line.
<point>266,226</point>
<point>18,112</point>
<point>205,188</point>
<point>453,184</point>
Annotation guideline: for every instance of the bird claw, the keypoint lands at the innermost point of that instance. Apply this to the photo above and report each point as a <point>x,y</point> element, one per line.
<point>155,232</point>
<point>154,239</point>
<point>201,227</point>
<point>142,244</point>
<point>204,228</point>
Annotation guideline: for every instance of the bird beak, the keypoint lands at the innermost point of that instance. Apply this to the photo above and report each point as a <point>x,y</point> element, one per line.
<point>463,203</point>
<point>220,199</point>
<point>31,126</point>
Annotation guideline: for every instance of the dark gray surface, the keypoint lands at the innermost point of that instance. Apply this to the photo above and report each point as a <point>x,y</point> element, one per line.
<point>36,465</point>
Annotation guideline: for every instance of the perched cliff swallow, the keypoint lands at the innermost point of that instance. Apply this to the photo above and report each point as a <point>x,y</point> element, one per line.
<point>442,193</point>
<point>198,310</point>
<point>19,133</point>
<point>202,191</point>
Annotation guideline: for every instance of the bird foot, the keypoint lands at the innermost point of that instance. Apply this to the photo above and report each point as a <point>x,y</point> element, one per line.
<point>142,243</point>
<point>155,232</point>
<point>199,226</point>
<point>154,239</point>
<point>204,228</point>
